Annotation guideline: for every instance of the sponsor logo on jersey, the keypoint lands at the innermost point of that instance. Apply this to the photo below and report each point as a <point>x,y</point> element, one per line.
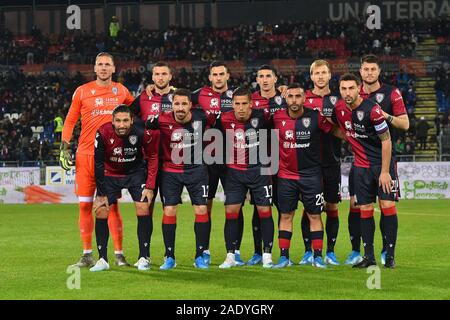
<point>111,140</point>
<point>289,135</point>
<point>117,151</point>
<point>155,107</point>
<point>98,102</point>
<point>233,125</point>
<point>283,123</point>
<point>214,102</point>
<point>348,125</point>
<point>93,91</point>
<point>239,136</point>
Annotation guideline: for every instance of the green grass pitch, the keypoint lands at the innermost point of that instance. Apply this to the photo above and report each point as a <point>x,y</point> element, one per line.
<point>38,242</point>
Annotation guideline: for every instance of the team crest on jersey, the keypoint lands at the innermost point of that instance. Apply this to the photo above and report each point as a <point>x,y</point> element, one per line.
<point>132,139</point>
<point>115,90</point>
<point>333,100</point>
<point>155,107</point>
<point>229,94</point>
<point>306,122</point>
<point>254,122</point>
<point>214,102</point>
<point>289,135</point>
<point>196,125</point>
<point>278,100</point>
<point>170,97</point>
<point>360,115</point>
<point>111,140</point>
<point>379,97</point>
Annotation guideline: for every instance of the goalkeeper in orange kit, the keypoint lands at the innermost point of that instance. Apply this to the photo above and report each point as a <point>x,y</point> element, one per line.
<point>94,102</point>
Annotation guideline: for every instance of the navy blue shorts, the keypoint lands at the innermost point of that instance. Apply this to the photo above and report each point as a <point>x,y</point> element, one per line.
<point>332,183</point>
<point>366,185</point>
<point>134,183</point>
<point>238,182</point>
<point>216,172</point>
<point>195,180</point>
<point>308,188</point>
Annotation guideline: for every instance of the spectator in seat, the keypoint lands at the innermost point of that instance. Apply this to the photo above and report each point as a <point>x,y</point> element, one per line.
<point>422,133</point>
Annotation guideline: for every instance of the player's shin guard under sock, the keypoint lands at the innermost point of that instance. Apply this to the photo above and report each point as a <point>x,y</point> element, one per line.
<point>208,230</point>
<point>231,231</point>
<point>317,243</point>
<point>383,230</point>
<point>144,231</point>
<point>115,224</point>
<point>86,223</point>
<point>201,233</point>
<point>102,236</point>
<point>284,242</point>
<point>169,227</point>
<point>267,229</point>
<point>354,228</point>
<point>391,227</point>
<point>368,232</point>
<point>240,229</point>
<point>332,228</point>
<point>257,233</point>
<point>306,232</point>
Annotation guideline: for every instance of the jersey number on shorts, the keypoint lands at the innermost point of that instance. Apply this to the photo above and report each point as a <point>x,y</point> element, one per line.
<point>319,199</point>
<point>268,191</point>
<point>205,191</point>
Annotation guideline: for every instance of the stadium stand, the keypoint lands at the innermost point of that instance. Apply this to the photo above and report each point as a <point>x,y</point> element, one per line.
<point>41,71</point>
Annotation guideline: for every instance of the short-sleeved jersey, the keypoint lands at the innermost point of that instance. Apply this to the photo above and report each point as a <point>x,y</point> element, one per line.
<point>277,102</point>
<point>245,138</point>
<point>146,107</point>
<point>177,137</point>
<point>299,141</point>
<point>362,127</point>
<point>94,104</point>
<point>390,99</point>
<point>331,145</point>
<point>117,156</point>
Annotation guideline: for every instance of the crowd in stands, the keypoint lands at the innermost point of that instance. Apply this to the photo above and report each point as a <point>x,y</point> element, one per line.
<point>285,40</point>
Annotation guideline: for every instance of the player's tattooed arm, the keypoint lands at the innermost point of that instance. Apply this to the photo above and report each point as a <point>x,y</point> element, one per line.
<point>385,136</point>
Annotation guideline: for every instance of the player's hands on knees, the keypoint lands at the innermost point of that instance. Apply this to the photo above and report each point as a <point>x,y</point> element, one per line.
<point>100,201</point>
<point>149,194</point>
<point>65,156</point>
<point>385,182</point>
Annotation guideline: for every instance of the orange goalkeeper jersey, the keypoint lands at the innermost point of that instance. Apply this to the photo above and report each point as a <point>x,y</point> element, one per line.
<point>94,104</point>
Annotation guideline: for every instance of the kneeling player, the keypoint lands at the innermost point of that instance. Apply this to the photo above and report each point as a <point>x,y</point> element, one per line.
<point>121,149</point>
<point>300,173</point>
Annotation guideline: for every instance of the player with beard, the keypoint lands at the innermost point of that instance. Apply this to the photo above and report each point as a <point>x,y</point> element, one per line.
<point>266,98</point>
<point>391,102</point>
<point>316,98</point>
<point>126,157</point>
<point>374,173</point>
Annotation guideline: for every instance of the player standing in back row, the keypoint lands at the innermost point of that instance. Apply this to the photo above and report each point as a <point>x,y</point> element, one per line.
<point>94,102</point>
<point>331,166</point>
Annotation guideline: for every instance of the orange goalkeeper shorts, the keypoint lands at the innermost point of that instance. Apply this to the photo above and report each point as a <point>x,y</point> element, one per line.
<point>85,177</point>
